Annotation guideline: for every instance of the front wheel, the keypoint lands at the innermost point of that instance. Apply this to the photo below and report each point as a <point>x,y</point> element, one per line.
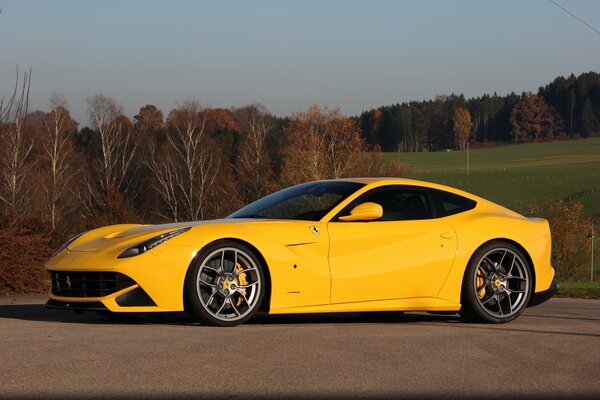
<point>497,284</point>
<point>225,285</point>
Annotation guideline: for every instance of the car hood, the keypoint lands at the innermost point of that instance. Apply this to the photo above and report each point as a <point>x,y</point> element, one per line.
<point>288,232</point>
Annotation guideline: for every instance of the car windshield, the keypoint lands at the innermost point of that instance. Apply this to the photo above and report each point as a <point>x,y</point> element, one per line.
<point>308,201</point>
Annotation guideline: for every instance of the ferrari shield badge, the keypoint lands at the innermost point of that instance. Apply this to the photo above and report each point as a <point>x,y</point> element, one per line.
<point>315,230</point>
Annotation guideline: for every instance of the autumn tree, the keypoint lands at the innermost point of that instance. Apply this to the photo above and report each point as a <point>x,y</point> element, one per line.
<point>149,119</point>
<point>149,124</point>
<point>16,146</point>
<point>57,156</point>
<point>253,164</point>
<point>532,120</point>
<point>322,143</point>
<point>462,126</point>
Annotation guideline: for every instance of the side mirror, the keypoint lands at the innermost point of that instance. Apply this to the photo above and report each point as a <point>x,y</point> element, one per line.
<point>364,212</point>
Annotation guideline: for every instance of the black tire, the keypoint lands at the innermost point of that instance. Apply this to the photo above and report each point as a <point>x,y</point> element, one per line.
<point>497,284</point>
<point>225,284</point>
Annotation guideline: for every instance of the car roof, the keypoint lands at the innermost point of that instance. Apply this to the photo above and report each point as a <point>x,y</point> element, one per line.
<point>384,181</point>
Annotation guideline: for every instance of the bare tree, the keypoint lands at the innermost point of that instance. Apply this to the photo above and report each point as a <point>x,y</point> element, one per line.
<point>57,155</point>
<point>253,165</point>
<point>118,148</point>
<point>15,147</point>
<point>187,169</point>
<point>166,182</point>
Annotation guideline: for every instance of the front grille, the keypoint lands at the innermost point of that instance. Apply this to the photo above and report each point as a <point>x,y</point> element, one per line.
<point>88,284</point>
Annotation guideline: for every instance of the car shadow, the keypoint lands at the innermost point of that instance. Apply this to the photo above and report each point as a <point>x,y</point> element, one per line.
<point>37,312</point>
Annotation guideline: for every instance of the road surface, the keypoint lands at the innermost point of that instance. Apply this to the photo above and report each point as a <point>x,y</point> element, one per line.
<point>552,351</point>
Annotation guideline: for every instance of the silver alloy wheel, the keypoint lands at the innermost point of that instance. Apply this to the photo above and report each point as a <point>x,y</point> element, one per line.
<point>228,284</point>
<point>501,282</point>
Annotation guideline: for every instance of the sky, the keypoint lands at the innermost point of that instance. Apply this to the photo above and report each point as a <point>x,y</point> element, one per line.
<point>288,55</point>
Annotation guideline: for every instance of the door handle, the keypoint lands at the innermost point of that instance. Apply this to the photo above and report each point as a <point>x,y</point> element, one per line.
<point>447,235</point>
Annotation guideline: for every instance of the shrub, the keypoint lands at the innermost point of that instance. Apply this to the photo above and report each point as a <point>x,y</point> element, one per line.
<point>23,250</point>
<point>571,250</point>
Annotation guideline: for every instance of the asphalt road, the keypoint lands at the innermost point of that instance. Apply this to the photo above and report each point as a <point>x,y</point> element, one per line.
<point>552,351</point>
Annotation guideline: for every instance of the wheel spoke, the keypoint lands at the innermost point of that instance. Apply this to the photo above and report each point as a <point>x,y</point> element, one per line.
<point>247,286</point>
<point>235,261</point>
<point>515,277</point>
<point>206,283</point>
<point>492,297</point>
<point>211,298</point>
<point>211,268</point>
<point>245,298</point>
<point>513,290</point>
<point>235,310</point>
<point>502,259</point>
<point>484,274</point>
<point>512,265</point>
<point>223,261</point>
<point>499,304</point>
<point>241,271</point>
<point>222,306</point>
<point>509,303</point>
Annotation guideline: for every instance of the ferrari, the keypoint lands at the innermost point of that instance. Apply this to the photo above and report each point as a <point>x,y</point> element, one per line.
<point>348,245</point>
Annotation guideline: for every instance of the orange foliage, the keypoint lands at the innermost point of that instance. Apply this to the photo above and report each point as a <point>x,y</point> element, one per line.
<point>462,126</point>
<point>532,120</point>
<point>23,250</point>
<point>322,144</point>
<point>220,119</point>
<point>149,119</point>
<point>571,250</point>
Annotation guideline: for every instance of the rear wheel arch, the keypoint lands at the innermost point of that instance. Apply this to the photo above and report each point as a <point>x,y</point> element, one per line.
<point>502,240</point>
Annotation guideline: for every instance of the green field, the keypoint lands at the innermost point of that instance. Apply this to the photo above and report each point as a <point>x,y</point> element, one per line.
<point>518,176</point>
<point>583,290</point>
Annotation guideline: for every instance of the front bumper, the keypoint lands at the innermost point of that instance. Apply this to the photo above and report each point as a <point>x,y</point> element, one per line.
<point>544,295</point>
<point>151,282</point>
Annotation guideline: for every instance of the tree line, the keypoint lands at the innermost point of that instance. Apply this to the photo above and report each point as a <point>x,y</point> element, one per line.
<point>565,108</point>
<point>196,162</point>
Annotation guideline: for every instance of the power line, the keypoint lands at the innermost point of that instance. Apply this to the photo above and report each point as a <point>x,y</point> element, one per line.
<point>575,16</point>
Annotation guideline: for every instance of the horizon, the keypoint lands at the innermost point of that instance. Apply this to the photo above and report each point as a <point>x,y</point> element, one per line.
<point>289,55</point>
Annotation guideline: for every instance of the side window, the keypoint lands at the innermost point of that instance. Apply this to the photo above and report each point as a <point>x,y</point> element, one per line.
<point>450,203</point>
<point>399,203</point>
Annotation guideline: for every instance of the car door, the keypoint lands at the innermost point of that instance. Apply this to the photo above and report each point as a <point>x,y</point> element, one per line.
<point>406,253</point>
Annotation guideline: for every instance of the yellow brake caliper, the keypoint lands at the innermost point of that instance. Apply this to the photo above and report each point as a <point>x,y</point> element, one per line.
<point>242,282</point>
<point>480,281</point>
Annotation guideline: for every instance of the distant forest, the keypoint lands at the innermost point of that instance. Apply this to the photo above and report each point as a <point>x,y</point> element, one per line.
<point>565,108</point>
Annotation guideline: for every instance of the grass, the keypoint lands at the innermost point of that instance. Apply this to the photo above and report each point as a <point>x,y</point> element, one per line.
<point>519,175</point>
<point>583,290</point>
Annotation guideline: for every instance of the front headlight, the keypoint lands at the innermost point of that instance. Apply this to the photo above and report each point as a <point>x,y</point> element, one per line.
<point>151,243</point>
<point>67,244</point>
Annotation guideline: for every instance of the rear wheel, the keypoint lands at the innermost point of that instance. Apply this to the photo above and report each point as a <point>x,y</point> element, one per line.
<point>497,284</point>
<point>225,286</point>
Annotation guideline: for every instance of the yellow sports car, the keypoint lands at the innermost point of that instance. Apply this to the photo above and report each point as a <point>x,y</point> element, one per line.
<point>348,245</point>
